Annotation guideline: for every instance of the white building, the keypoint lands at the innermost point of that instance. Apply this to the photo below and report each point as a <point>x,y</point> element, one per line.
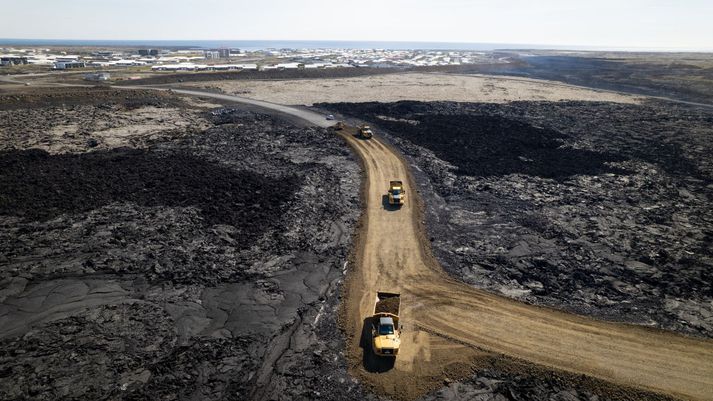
<point>179,67</point>
<point>289,66</point>
<point>211,54</point>
<point>203,67</point>
<point>11,59</point>
<point>220,67</point>
<point>126,63</point>
<point>66,65</point>
<point>66,59</point>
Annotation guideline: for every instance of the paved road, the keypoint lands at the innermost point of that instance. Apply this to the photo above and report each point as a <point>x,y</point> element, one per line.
<point>309,116</point>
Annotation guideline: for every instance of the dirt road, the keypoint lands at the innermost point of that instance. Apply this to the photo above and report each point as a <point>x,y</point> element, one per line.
<point>440,314</point>
<point>448,325</point>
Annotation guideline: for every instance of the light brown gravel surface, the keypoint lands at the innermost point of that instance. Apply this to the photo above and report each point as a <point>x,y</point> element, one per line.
<point>410,86</point>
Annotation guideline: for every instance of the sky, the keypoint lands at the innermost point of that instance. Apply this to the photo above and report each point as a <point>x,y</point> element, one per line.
<point>660,24</point>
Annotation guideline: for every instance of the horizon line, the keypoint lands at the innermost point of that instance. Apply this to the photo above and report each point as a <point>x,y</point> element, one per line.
<point>536,46</point>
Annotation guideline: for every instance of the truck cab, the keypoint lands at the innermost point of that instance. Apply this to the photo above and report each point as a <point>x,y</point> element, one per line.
<point>365,132</point>
<point>386,337</point>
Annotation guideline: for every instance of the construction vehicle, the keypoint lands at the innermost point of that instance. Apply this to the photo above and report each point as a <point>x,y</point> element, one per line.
<point>339,125</point>
<point>385,329</point>
<point>365,132</point>
<point>397,194</point>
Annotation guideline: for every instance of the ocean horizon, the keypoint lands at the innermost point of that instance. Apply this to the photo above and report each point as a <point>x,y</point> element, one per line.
<point>268,44</point>
<point>254,45</point>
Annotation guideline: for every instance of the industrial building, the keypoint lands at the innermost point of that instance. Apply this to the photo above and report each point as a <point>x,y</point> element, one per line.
<point>12,60</point>
<point>66,65</point>
<point>126,63</point>
<point>220,67</point>
<point>217,53</point>
<point>203,67</point>
<point>103,54</point>
<point>211,54</point>
<point>148,52</point>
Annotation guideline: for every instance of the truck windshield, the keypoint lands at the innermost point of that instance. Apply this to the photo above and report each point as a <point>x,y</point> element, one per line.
<point>386,329</point>
<point>396,191</point>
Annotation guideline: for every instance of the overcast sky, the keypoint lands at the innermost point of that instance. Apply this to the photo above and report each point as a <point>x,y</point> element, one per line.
<point>610,23</point>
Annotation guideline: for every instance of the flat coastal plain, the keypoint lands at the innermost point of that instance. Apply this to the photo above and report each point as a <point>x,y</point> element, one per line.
<point>410,86</point>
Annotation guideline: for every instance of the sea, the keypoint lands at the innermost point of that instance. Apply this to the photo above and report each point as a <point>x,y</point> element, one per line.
<point>252,45</point>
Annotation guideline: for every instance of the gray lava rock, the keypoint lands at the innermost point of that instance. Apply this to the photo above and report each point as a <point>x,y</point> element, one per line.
<point>145,275</point>
<point>597,208</point>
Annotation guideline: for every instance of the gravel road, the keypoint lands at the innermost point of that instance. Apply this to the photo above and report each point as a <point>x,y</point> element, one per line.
<point>442,316</point>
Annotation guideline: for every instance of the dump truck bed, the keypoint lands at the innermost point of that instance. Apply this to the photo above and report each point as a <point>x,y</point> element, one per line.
<point>387,302</point>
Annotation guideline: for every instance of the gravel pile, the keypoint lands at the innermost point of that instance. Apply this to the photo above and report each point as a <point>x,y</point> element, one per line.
<point>388,305</point>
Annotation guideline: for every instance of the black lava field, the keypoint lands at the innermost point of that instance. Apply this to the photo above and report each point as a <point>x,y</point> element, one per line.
<point>597,208</point>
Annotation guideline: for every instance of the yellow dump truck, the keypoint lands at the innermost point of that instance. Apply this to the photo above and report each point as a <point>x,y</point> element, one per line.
<point>385,329</point>
<point>365,132</point>
<point>397,194</point>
